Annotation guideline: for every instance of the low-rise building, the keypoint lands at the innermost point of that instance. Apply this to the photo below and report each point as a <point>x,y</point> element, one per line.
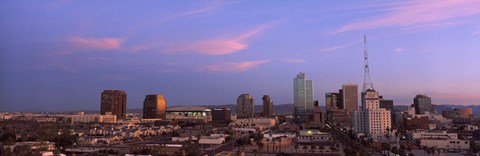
<point>181,113</point>
<point>213,140</point>
<point>183,139</point>
<point>434,135</point>
<point>448,144</point>
<point>221,115</point>
<point>340,117</point>
<point>307,136</point>
<point>88,118</point>
<point>261,123</point>
<point>471,128</point>
<point>41,146</point>
<point>163,149</point>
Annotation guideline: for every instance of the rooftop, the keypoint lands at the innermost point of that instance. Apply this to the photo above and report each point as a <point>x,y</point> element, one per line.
<point>187,108</point>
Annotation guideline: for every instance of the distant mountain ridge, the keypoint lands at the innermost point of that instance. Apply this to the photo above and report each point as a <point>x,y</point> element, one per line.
<point>287,109</point>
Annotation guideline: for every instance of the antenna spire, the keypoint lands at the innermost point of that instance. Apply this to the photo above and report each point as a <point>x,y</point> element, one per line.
<point>367,82</point>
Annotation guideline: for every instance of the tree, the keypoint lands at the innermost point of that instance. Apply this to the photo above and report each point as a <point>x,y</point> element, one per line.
<point>305,147</point>
<point>7,151</point>
<point>268,140</point>
<point>332,149</point>
<point>312,148</point>
<point>191,149</point>
<point>401,151</point>
<point>8,138</point>
<point>260,145</point>
<point>296,148</point>
<point>389,130</point>
<point>243,141</point>
<point>22,150</point>
<point>321,148</point>
<point>394,150</point>
<point>349,151</point>
<point>430,150</point>
<point>65,140</point>
<point>425,150</point>
<point>228,138</point>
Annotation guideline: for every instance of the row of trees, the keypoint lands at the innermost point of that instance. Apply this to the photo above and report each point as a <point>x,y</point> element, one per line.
<point>313,148</point>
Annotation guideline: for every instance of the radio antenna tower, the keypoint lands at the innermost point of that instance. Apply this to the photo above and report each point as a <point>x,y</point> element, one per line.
<point>367,82</point>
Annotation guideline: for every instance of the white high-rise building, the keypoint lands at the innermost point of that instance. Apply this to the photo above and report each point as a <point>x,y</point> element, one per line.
<point>302,95</point>
<point>372,119</point>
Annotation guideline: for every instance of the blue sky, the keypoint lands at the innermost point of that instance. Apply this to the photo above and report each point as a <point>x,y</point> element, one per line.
<point>60,55</point>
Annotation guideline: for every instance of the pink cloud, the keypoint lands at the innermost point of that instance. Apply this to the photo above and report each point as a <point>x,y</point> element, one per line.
<point>210,47</point>
<point>219,45</point>
<point>417,12</point>
<point>398,49</point>
<point>234,66</point>
<point>295,60</point>
<point>96,43</point>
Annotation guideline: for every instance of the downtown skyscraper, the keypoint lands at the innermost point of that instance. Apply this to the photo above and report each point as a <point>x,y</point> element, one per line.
<point>371,120</point>
<point>245,107</point>
<point>114,102</point>
<point>267,106</point>
<point>302,95</point>
<point>350,97</point>
<point>154,106</point>
<point>422,104</point>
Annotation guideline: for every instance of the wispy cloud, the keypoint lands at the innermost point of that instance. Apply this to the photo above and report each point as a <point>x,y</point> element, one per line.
<point>234,66</point>
<point>96,43</point>
<point>334,48</point>
<point>97,59</point>
<point>417,12</point>
<point>219,45</point>
<point>295,60</point>
<point>194,12</point>
<point>430,26</point>
<point>398,49</point>
<point>476,33</point>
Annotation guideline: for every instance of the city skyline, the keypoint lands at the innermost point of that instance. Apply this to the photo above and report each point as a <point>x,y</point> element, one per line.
<point>63,54</point>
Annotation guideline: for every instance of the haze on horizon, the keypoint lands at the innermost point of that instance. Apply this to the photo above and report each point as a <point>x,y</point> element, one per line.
<point>60,55</point>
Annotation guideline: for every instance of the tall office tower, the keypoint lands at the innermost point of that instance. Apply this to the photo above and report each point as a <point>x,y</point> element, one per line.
<point>422,104</point>
<point>115,102</point>
<point>267,106</point>
<point>387,104</point>
<point>350,97</point>
<point>302,95</point>
<point>245,107</point>
<point>371,119</point>
<point>332,101</point>
<point>370,100</point>
<point>154,106</point>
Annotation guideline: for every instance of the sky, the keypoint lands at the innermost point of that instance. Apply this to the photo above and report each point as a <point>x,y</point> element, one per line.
<point>60,55</point>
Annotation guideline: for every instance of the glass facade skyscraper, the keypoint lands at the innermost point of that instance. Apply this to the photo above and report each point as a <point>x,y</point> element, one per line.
<point>302,95</point>
<point>154,106</point>
<point>245,107</point>
<point>422,104</point>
